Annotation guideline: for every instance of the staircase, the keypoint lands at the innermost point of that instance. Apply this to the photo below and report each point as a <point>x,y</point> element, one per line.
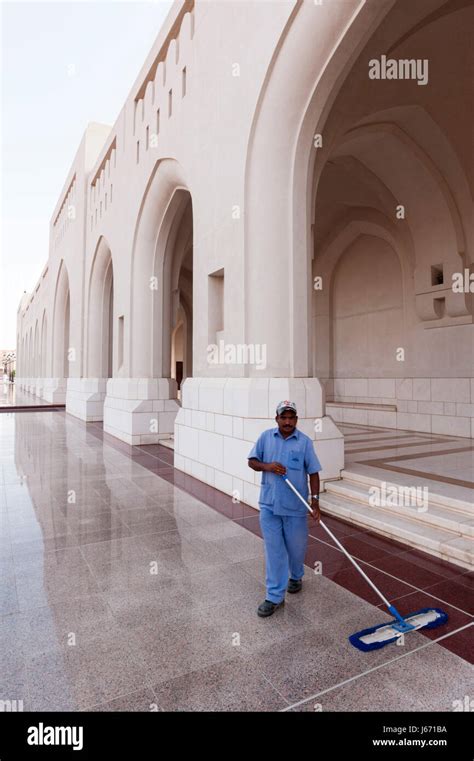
<point>445,529</point>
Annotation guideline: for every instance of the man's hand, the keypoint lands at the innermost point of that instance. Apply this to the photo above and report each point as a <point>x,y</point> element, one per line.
<point>316,510</point>
<point>276,467</point>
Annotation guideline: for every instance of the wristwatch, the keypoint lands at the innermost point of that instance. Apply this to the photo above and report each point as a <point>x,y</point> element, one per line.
<point>315,496</point>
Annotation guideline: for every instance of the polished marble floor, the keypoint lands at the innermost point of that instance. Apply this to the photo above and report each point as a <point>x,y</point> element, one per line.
<point>445,464</point>
<point>127,585</point>
<point>13,397</point>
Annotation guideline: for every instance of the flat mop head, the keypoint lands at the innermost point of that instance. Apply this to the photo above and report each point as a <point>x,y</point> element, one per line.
<point>384,634</point>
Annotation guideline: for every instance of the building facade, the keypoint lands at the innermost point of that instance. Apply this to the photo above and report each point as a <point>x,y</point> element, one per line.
<point>282,210</point>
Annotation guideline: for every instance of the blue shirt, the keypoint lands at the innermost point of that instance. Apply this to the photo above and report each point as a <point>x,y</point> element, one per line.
<point>297,454</point>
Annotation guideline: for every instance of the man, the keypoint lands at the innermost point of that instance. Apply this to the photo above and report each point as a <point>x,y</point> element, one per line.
<point>283,517</point>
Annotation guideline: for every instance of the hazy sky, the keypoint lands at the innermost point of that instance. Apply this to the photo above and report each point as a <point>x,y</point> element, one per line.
<point>45,110</point>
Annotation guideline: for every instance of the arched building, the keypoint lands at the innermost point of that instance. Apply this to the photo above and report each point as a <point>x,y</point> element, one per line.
<point>277,212</point>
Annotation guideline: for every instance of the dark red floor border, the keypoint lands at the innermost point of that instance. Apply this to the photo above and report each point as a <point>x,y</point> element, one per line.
<point>35,408</point>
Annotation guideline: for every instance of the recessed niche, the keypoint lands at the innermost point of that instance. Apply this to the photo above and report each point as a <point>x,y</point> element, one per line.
<point>215,304</point>
<point>437,277</point>
<point>440,307</point>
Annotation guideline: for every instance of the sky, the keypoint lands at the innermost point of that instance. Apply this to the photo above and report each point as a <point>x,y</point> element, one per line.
<point>63,65</point>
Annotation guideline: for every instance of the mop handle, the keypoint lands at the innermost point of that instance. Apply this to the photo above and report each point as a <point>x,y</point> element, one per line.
<point>339,545</point>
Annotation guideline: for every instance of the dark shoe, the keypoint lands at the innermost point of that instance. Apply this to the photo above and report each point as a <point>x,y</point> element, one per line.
<point>295,585</point>
<point>267,608</point>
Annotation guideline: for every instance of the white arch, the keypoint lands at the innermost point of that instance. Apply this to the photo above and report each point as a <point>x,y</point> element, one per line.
<point>277,242</point>
<point>359,136</point>
<point>61,312</point>
<point>100,303</point>
<point>44,344</point>
<point>375,225</point>
<point>164,201</point>
<point>36,352</point>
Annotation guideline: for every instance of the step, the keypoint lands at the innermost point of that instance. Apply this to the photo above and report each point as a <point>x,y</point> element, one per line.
<point>363,406</point>
<point>169,443</point>
<point>436,515</point>
<point>435,541</point>
<point>462,506</point>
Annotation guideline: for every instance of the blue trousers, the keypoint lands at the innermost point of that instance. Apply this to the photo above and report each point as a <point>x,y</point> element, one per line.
<point>285,538</point>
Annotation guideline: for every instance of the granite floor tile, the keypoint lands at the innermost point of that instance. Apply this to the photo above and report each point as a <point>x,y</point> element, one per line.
<point>192,511</point>
<point>35,592</point>
<point>137,702</point>
<point>11,644</point>
<point>8,596</point>
<point>41,546</point>
<point>255,567</point>
<point>370,548</point>
<point>329,560</point>
<point>92,521</point>
<point>406,570</point>
<point>177,561</point>
<point>351,579</point>
<point>35,530</point>
<point>410,603</point>
<point>321,655</point>
<point>250,524</point>
<point>237,548</point>
<point>209,588</point>
<point>462,644</point>
<point>60,564</point>
<point>148,521</point>
<point>56,626</point>
<point>153,541</point>
<point>466,579</point>
<point>187,643</point>
<point>80,676</point>
<point>458,594</point>
<point>112,551</point>
<point>239,617</point>
<point>85,536</point>
<point>14,686</point>
<point>147,605</point>
<point>428,680</point>
<point>220,531</point>
<point>228,686</point>
<point>430,563</point>
<point>338,528</point>
<point>7,567</point>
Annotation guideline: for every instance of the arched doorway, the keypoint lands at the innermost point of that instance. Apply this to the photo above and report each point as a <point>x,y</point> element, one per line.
<point>44,344</point>
<point>100,321</point>
<point>62,353</point>
<point>144,412</point>
<point>174,264</point>
<point>390,225</point>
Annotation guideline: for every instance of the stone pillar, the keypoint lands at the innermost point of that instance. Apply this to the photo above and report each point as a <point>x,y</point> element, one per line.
<point>140,410</point>
<point>85,398</point>
<point>221,418</point>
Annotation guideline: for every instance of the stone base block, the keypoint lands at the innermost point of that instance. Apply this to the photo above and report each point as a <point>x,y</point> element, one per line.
<point>54,390</point>
<point>221,418</point>
<point>140,410</point>
<point>85,398</point>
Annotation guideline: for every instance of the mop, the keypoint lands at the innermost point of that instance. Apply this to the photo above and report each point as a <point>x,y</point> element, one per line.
<point>383,634</point>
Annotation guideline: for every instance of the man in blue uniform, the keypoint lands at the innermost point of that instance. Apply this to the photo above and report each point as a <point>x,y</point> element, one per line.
<point>283,517</point>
